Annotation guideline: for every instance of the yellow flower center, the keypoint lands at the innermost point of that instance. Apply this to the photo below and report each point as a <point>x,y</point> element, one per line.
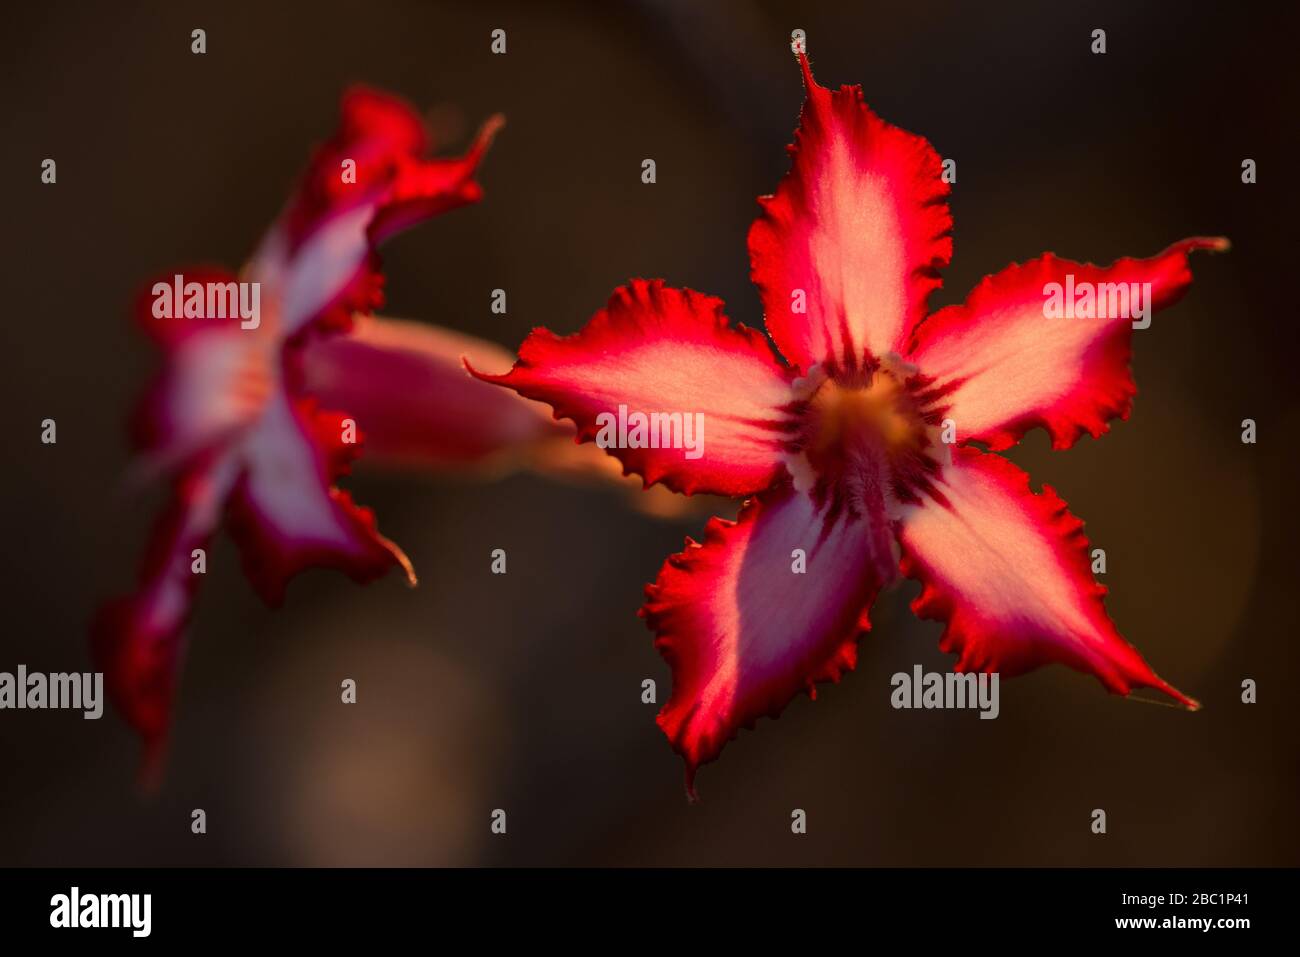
<point>880,414</point>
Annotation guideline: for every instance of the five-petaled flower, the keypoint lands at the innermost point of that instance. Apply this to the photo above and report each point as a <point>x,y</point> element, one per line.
<point>842,452</point>
<point>230,418</point>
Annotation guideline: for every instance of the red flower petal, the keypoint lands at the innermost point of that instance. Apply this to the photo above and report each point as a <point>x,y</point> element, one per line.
<point>1003,368</point>
<point>743,633</point>
<point>406,386</point>
<point>318,261</point>
<point>385,138</point>
<point>276,492</point>
<point>137,641</point>
<point>213,388</point>
<point>1009,572</point>
<point>285,512</point>
<point>659,349</point>
<point>860,224</point>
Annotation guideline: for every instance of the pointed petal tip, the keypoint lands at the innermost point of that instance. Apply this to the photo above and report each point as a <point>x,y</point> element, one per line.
<point>400,556</point>
<point>1190,704</point>
<point>1213,244</point>
<point>482,376</point>
<point>399,559</point>
<point>1144,677</point>
<point>486,133</point>
<point>692,795</point>
<point>810,83</point>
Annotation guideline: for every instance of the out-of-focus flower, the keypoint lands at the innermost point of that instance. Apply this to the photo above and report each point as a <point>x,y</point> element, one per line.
<point>228,418</point>
<point>844,450</point>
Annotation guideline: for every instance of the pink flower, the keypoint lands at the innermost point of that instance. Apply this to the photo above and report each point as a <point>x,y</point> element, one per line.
<point>856,455</point>
<point>230,420</point>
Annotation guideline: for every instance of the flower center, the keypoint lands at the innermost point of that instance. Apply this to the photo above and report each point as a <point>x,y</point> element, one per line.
<point>879,409</point>
<point>841,414</point>
<point>869,439</point>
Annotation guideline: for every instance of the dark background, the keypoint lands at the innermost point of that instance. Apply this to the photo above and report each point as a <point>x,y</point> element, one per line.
<point>522,692</point>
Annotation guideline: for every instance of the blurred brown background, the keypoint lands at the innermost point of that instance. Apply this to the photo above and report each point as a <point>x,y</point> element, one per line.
<point>522,692</point>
